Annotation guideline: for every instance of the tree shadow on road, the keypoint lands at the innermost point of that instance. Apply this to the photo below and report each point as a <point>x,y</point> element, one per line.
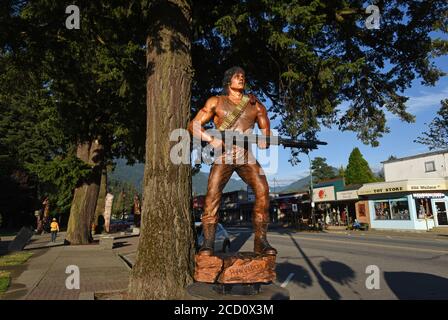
<point>413,285</point>
<point>337,272</point>
<point>326,286</point>
<point>301,276</point>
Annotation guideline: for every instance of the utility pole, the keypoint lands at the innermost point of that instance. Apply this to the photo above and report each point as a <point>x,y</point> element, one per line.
<point>275,184</point>
<point>313,219</point>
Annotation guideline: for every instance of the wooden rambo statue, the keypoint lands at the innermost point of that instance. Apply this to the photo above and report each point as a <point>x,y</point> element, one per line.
<point>219,108</point>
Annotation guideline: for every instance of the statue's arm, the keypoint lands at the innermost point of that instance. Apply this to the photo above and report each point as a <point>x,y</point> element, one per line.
<point>263,120</point>
<point>195,127</point>
<point>263,124</point>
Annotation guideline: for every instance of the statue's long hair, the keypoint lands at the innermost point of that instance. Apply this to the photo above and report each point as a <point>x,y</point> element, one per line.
<point>228,76</point>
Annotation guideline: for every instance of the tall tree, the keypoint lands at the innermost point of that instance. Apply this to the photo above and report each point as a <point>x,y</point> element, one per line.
<point>341,172</point>
<point>321,170</point>
<point>358,170</point>
<point>33,145</point>
<point>437,135</point>
<point>309,56</point>
<point>94,75</point>
<point>164,265</point>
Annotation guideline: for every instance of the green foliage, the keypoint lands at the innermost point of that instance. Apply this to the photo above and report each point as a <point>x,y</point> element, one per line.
<point>358,170</point>
<point>341,172</point>
<point>82,85</point>
<point>309,56</point>
<point>61,175</point>
<point>321,170</point>
<point>437,135</point>
<point>31,137</point>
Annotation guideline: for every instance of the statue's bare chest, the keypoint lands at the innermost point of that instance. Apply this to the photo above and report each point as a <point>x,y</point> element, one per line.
<point>245,121</point>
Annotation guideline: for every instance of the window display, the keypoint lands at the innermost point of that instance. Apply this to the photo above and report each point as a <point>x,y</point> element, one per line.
<point>396,209</point>
<point>424,208</point>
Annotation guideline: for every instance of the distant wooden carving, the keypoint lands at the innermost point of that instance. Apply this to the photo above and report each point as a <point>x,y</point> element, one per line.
<point>237,268</point>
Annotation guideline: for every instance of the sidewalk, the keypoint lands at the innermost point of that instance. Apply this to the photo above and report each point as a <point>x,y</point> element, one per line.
<point>396,233</point>
<point>43,276</point>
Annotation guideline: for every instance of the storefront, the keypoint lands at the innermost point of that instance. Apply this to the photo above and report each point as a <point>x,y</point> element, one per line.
<point>419,204</point>
<point>347,200</point>
<point>290,208</point>
<point>336,202</point>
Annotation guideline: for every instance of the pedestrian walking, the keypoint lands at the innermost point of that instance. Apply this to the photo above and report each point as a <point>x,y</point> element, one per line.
<point>54,229</point>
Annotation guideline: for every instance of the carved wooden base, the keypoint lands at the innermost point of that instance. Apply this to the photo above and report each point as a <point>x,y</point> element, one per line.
<point>241,267</point>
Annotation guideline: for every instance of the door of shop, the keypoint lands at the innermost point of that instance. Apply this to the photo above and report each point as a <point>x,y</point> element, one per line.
<point>442,214</point>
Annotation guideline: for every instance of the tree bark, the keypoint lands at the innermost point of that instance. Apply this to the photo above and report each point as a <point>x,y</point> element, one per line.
<point>165,257</point>
<point>85,198</point>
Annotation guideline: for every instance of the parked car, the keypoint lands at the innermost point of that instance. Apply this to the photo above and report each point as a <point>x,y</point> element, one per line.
<point>222,239</point>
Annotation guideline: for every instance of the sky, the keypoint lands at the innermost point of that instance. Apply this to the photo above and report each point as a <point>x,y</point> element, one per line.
<point>423,103</point>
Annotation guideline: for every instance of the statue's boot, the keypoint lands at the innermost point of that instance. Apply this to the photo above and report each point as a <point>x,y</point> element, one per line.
<point>261,244</point>
<point>209,230</point>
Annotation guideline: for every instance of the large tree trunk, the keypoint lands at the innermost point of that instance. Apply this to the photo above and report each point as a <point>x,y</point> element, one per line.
<point>165,258</point>
<point>85,198</point>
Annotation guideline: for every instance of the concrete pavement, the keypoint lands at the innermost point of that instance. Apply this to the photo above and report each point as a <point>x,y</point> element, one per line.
<point>310,265</point>
<point>43,276</point>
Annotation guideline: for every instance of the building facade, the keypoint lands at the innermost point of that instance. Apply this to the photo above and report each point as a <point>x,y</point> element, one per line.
<point>415,204</point>
<point>422,166</point>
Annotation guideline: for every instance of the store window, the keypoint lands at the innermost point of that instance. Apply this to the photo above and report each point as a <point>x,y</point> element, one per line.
<point>396,209</point>
<point>400,210</point>
<point>430,166</point>
<point>424,208</point>
<point>382,210</point>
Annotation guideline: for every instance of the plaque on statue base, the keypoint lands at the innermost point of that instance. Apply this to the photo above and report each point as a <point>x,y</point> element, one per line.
<point>236,268</point>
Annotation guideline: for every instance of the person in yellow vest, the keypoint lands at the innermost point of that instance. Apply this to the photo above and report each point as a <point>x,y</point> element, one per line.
<point>54,229</point>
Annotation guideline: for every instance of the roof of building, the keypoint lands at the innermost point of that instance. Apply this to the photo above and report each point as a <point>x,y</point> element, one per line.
<point>421,155</point>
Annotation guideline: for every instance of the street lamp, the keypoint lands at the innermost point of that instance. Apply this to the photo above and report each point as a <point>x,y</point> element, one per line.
<point>313,219</point>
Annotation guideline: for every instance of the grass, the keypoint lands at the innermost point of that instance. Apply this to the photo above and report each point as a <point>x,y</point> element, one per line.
<point>14,259</point>
<point>4,281</point>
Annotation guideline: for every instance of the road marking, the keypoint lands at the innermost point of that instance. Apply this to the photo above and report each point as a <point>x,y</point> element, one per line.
<point>364,244</point>
<point>285,283</point>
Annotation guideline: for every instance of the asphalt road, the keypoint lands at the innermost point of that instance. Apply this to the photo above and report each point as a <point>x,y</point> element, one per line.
<point>336,266</point>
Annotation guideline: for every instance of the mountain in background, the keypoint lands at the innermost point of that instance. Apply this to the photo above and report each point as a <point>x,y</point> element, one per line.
<point>296,186</point>
<point>134,174</point>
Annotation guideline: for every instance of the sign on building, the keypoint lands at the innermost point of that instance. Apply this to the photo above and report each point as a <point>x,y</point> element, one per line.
<point>324,194</point>
<point>347,195</point>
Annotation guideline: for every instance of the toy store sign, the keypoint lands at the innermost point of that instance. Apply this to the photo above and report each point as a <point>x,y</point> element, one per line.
<point>324,194</point>
<point>402,187</point>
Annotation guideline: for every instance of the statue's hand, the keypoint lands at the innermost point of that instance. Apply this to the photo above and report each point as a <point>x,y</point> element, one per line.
<point>262,143</point>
